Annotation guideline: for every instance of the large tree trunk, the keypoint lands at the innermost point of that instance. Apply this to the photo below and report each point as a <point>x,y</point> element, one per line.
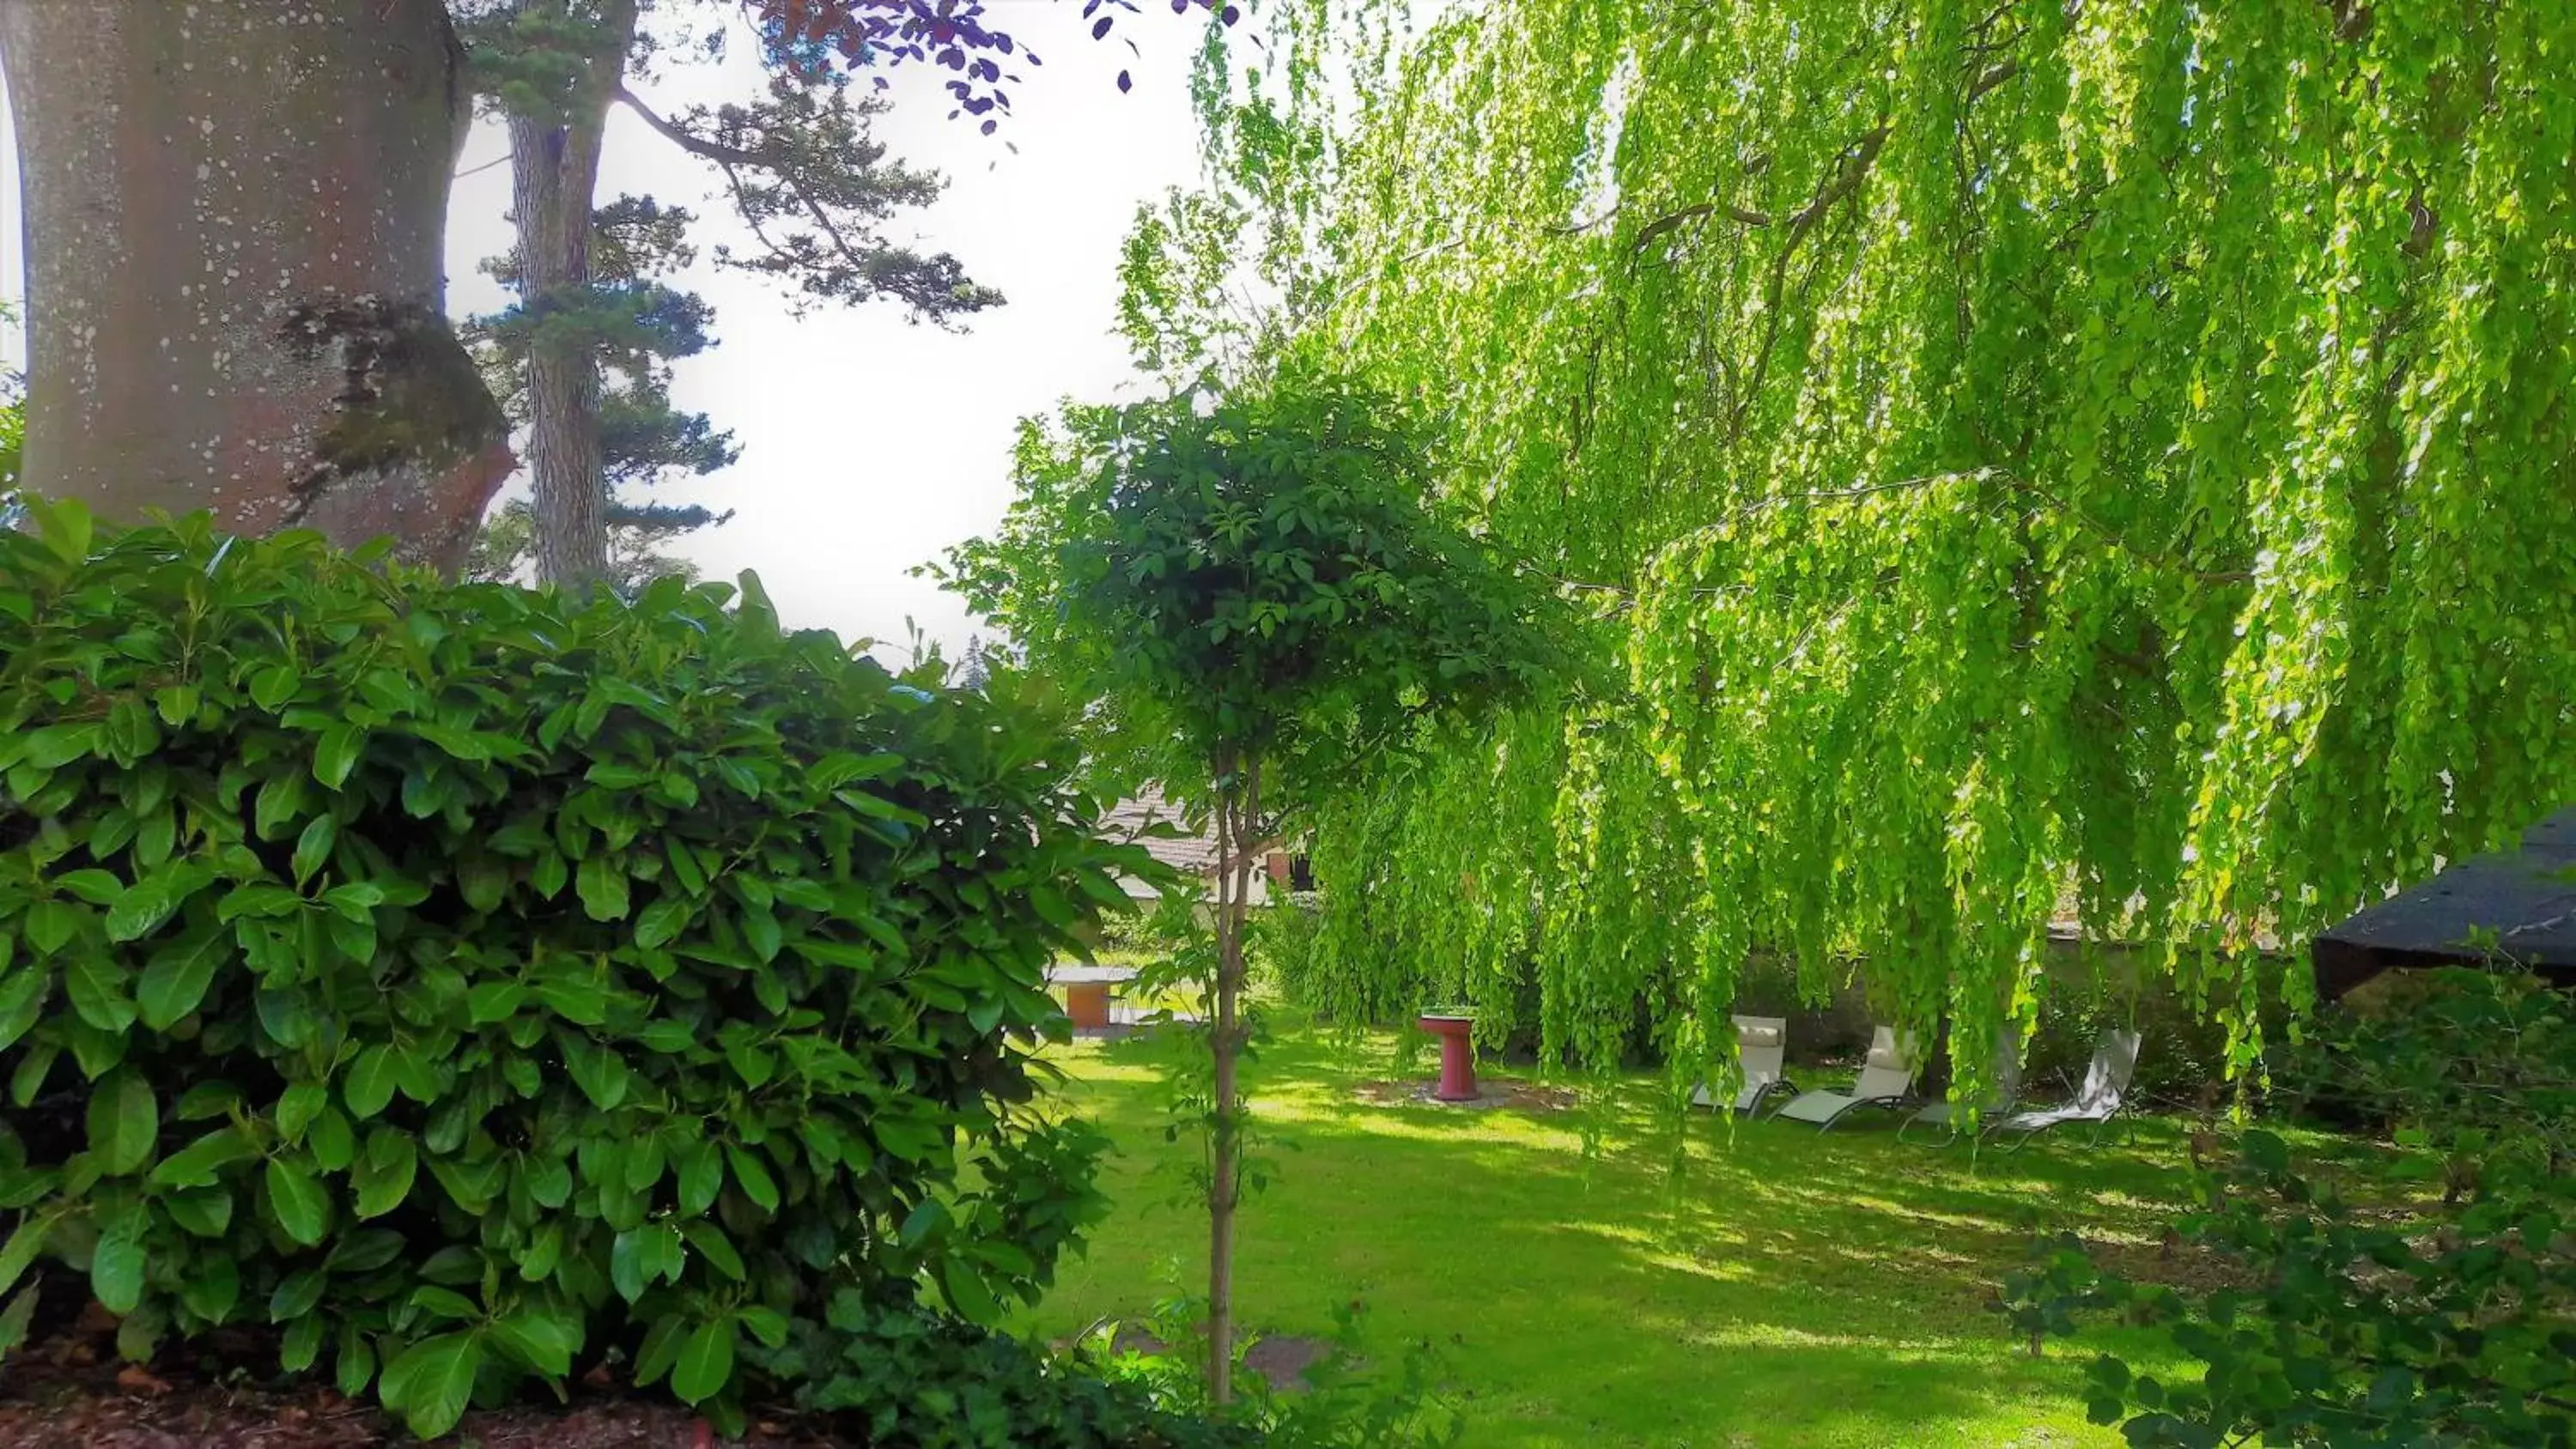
<point>554,169</point>
<point>236,215</point>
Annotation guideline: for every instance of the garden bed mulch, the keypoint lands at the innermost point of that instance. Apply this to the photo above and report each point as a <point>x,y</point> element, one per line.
<point>64,1394</point>
<point>1515,1096</point>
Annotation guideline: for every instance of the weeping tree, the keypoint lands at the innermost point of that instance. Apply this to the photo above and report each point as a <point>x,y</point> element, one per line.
<point>2027,459</point>
<point>236,214</point>
<point>1257,597</point>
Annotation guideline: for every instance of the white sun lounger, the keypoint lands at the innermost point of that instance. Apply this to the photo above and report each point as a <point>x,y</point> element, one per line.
<point>1762,1047</point>
<point>2104,1095</point>
<point>1886,1080</point>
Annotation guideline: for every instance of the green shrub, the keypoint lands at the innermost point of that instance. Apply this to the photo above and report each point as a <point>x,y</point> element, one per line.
<point>468,984</point>
<point>2428,1300</point>
<point>912,1382</point>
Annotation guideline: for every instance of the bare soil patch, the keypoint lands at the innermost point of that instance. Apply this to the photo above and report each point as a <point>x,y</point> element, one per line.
<point>1511,1096</point>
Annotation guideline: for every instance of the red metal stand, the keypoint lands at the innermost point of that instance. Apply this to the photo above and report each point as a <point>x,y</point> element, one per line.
<point>1457,1056</point>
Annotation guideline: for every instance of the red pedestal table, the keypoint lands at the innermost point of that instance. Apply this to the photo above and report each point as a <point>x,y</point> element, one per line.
<point>1457,1056</point>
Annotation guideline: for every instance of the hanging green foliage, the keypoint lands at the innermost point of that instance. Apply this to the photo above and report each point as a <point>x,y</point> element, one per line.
<point>2025,456</point>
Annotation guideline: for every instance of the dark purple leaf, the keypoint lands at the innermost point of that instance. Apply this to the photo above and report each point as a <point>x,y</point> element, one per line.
<point>989,125</point>
<point>1231,15</point>
<point>1125,82</point>
<point>1101,27</point>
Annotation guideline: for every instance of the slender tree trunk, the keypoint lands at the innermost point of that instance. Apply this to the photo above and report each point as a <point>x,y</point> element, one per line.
<point>554,169</point>
<point>236,216</point>
<point>1236,817</point>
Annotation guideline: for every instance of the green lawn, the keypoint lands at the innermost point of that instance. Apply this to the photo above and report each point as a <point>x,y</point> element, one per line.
<point>1781,1290</point>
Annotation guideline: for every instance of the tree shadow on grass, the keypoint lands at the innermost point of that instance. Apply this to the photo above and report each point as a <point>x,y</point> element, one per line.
<point>1763,1286</point>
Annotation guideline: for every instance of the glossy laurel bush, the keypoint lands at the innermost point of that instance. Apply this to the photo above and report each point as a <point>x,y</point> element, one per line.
<point>476,987</point>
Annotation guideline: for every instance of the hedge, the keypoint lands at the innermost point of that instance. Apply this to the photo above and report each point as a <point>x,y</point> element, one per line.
<point>472,985</point>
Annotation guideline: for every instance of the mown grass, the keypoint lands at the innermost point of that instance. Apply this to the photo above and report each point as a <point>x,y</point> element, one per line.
<point>1764,1288</point>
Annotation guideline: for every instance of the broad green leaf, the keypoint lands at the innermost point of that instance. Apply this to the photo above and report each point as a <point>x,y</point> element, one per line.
<point>332,1140</point>
<point>279,802</point>
<point>760,931</point>
<point>701,1177</point>
<point>301,1344</point>
<point>144,906</point>
<point>436,1381</point>
<point>369,1082</point>
<point>603,888</point>
<point>55,746</point>
<point>302,1204</point>
<point>201,1163</point>
<point>597,1070</point>
<point>495,1001</point>
<point>705,1364</point>
<point>203,1212</point>
<point>100,989</point>
<point>537,1339</point>
<point>124,1122</point>
<point>98,887</point>
<point>274,686</point>
<point>212,1286</point>
<point>662,922</point>
<point>382,1175</point>
<point>51,924</point>
<point>752,1175</point>
<point>175,980</point>
<point>712,1245</point>
<point>297,1106</point>
<point>116,1264</point>
<point>662,1345</point>
<point>22,1000</point>
<point>357,1362</point>
<point>967,1292</point>
<point>313,847</point>
<point>14,1320</point>
<point>19,1250</point>
<point>336,754</point>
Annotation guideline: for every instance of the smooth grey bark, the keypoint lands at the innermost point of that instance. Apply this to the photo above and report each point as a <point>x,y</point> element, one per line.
<point>236,215</point>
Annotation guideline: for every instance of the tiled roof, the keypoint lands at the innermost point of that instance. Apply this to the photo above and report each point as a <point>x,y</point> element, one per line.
<point>1192,853</point>
<point>1129,819</point>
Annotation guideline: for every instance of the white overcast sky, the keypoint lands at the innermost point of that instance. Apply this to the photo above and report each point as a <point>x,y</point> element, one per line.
<point>870,445</point>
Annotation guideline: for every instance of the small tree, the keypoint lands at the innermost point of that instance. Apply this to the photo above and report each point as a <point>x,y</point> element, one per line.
<point>1256,594</point>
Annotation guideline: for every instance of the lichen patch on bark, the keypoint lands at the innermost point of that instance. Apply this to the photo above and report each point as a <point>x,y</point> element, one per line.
<point>410,397</point>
